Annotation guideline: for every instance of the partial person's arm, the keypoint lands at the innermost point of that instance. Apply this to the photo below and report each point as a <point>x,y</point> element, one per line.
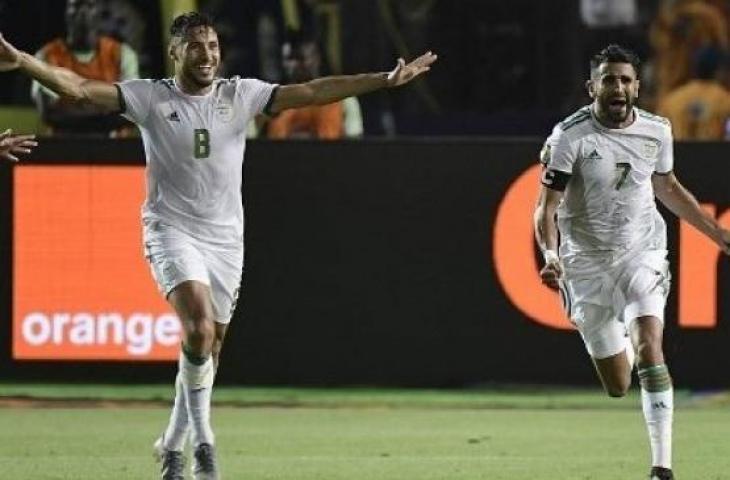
<point>326,90</point>
<point>60,80</point>
<point>546,234</point>
<point>10,144</point>
<point>683,204</point>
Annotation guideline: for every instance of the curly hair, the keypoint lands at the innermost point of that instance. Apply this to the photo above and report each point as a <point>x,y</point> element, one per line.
<point>182,24</point>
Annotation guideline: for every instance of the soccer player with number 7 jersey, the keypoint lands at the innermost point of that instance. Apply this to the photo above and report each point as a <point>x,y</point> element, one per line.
<point>193,128</point>
<point>604,165</point>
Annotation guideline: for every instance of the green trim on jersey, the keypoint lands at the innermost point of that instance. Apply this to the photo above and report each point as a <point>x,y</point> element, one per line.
<point>577,118</point>
<point>164,81</point>
<point>652,117</point>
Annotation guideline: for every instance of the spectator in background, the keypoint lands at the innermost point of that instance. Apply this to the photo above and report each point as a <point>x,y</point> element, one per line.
<point>700,109</point>
<point>91,55</point>
<point>680,30</point>
<point>302,61</point>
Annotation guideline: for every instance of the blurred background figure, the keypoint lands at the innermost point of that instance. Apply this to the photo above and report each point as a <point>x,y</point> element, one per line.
<point>700,109</point>
<point>496,73</point>
<point>680,29</point>
<point>303,61</point>
<point>92,55</point>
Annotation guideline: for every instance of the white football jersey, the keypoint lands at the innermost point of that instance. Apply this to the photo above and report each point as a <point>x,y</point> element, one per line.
<point>608,203</point>
<point>194,147</point>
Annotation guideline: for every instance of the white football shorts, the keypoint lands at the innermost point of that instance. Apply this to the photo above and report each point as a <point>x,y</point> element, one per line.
<point>602,298</point>
<point>176,257</point>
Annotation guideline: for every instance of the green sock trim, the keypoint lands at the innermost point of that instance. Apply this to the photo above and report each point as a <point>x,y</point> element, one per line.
<point>192,357</point>
<point>655,378</point>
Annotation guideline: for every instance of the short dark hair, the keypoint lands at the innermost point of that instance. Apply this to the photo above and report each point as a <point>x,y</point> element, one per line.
<point>615,54</point>
<point>186,21</point>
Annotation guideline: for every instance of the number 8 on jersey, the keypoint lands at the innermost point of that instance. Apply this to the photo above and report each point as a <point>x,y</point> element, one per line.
<point>202,143</point>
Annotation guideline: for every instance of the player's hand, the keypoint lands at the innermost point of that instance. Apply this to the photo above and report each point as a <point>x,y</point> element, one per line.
<point>9,55</point>
<point>725,241</point>
<point>551,273</point>
<point>10,145</point>
<point>405,72</point>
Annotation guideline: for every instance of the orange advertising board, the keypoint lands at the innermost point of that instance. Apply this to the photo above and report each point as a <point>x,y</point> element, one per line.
<point>82,289</point>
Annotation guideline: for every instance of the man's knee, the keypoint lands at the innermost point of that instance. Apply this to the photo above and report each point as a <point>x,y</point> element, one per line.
<point>618,387</point>
<point>617,391</point>
<point>200,334</point>
<point>647,333</point>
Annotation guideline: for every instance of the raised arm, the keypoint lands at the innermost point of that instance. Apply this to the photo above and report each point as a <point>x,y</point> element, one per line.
<point>332,89</point>
<point>683,204</point>
<point>62,81</point>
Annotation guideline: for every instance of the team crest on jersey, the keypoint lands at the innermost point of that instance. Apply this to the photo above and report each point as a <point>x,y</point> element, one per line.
<point>224,112</point>
<point>650,149</point>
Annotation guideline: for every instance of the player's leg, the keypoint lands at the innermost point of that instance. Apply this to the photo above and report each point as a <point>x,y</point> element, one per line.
<point>174,260</point>
<point>224,267</point>
<point>588,301</point>
<point>608,345</point>
<point>177,428</point>
<point>646,288</point>
<point>192,302</point>
<point>204,460</point>
<point>657,393</point>
<point>614,373</point>
<point>220,336</point>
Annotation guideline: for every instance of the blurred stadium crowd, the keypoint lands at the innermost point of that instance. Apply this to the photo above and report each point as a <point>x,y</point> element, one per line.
<point>506,68</point>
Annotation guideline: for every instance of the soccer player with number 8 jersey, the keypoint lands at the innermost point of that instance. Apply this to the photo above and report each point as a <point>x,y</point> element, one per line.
<point>193,128</point>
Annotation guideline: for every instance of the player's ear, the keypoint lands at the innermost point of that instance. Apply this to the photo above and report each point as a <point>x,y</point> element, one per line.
<point>591,88</point>
<point>638,87</point>
<point>172,50</point>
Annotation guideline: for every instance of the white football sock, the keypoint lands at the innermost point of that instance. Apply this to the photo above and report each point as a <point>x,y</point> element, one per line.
<point>658,407</point>
<point>197,381</point>
<point>177,428</point>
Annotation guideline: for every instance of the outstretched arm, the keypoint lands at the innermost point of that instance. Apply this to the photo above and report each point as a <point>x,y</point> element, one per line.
<point>684,205</point>
<point>11,145</point>
<point>62,81</point>
<point>332,89</point>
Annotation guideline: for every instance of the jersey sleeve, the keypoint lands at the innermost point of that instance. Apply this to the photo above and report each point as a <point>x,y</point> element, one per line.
<point>136,99</point>
<point>254,96</point>
<point>558,158</point>
<point>558,153</point>
<point>665,162</point>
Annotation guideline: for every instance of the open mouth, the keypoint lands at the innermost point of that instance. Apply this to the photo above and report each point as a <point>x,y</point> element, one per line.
<point>617,103</point>
<point>205,69</point>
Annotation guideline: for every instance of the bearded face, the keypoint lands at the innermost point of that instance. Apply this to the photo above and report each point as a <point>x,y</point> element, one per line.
<point>197,57</point>
<point>614,89</point>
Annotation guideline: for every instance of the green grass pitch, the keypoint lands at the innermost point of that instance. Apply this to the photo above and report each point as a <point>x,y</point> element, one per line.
<point>319,434</point>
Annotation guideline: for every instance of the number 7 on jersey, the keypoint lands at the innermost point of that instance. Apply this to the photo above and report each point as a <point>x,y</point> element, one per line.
<point>622,171</point>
